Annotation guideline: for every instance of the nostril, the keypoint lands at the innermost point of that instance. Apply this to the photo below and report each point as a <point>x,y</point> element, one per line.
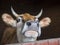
<point>28,23</point>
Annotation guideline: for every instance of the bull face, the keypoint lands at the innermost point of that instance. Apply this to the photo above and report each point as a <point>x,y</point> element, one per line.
<point>27,25</point>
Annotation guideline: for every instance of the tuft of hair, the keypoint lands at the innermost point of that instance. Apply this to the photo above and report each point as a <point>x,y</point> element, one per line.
<point>27,16</point>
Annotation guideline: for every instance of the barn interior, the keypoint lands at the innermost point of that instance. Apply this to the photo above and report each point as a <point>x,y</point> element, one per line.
<point>51,8</point>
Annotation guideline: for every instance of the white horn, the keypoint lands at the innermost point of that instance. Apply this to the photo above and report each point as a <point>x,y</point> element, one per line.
<point>14,13</point>
<point>39,14</point>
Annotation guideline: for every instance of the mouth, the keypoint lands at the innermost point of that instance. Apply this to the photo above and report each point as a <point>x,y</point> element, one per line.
<point>31,33</point>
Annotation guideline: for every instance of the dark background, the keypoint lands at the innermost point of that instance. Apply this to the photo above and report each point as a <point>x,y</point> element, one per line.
<point>51,8</point>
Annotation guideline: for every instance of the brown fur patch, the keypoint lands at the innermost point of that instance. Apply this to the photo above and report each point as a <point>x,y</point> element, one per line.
<point>27,16</point>
<point>9,36</point>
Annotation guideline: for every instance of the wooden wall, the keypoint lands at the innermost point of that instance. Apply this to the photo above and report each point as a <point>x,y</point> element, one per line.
<point>55,41</point>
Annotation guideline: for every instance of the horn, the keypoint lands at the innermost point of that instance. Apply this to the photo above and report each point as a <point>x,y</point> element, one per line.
<point>39,14</point>
<point>14,13</point>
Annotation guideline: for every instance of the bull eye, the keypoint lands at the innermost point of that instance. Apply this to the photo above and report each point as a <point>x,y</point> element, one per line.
<point>28,23</point>
<point>18,20</point>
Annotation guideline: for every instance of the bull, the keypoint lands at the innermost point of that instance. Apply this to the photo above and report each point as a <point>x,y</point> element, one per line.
<point>28,27</point>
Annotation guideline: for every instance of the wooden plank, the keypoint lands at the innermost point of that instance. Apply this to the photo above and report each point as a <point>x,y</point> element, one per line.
<point>55,41</point>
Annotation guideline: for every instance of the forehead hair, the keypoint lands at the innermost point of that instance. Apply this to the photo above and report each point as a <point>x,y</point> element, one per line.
<point>27,16</point>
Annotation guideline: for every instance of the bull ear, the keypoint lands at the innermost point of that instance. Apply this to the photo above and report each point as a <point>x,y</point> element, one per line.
<point>45,22</point>
<point>8,20</point>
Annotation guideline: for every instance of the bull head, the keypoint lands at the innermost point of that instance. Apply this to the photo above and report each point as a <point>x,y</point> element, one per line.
<point>28,26</point>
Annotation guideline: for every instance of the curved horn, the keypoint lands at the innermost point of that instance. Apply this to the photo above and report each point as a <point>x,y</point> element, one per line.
<point>39,14</point>
<point>14,13</point>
